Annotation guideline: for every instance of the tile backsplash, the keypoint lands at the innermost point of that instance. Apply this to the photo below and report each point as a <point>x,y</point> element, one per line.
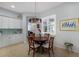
<point>10,31</point>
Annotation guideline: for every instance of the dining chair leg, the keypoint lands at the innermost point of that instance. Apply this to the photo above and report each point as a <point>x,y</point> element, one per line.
<point>52,51</point>
<point>29,51</point>
<point>49,52</point>
<point>33,52</point>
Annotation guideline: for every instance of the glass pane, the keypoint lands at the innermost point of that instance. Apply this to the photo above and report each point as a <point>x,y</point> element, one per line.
<point>51,28</point>
<point>45,28</point>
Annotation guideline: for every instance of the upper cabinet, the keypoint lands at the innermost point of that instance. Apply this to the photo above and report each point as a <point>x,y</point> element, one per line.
<point>12,23</point>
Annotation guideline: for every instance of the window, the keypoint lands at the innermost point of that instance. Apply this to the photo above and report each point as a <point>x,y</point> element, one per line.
<point>49,25</point>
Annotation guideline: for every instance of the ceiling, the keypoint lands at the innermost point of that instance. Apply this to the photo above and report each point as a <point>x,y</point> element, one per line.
<point>23,7</point>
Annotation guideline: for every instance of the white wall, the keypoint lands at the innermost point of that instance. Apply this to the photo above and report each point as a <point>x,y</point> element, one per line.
<point>65,11</point>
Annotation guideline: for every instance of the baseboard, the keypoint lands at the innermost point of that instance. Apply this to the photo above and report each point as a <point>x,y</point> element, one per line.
<point>75,51</point>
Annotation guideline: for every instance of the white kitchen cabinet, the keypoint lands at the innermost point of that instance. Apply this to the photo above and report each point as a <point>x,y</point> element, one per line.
<point>0,22</point>
<point>6,40</point>
<point>6,22</point>
<point>14,23</point>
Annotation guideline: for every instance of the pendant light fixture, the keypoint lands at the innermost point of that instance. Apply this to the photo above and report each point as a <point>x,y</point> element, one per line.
<point>35,18</point>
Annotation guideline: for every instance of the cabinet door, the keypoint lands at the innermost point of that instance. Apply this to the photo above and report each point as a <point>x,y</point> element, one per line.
<point>4,22</point>
<point>14,23</point>
<point>11,23</point>
<point>17,23</point>
<point>0,22</point>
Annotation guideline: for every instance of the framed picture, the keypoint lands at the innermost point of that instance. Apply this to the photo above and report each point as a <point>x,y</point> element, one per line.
<point>69,24</point>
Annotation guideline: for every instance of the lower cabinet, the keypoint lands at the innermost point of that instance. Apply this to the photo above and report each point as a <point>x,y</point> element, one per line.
<point>6,40</point>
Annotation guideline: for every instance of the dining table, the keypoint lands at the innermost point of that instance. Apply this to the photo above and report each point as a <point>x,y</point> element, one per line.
<point>40,40</point>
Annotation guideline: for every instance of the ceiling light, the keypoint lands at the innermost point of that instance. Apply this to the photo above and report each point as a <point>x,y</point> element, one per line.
<point>35,18</point>
<point>12,6</point>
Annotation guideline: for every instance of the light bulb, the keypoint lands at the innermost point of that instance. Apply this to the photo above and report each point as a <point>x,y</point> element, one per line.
<point>12,6</point>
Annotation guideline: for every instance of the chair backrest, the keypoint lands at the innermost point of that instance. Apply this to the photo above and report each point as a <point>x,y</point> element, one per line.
<point>51,41</point>
<point>29,32</point>
<point>47,36</point>
<point>31,40</point>
<point>32,35</point>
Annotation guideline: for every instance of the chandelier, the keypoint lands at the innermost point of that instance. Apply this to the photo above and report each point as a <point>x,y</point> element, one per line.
<point>35,18</point>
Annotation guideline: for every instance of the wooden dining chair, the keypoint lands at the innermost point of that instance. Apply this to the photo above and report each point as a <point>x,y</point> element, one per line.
<point>32,45</point>
<point>49,45</point>
<point>52,44</point>
<point>46,36</point>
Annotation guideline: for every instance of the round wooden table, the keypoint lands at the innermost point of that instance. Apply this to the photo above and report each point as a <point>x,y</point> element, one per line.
<point>40,40</point>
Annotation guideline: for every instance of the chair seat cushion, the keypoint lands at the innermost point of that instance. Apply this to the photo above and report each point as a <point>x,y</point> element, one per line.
<point>46,45</point>
<point>35,45</point>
